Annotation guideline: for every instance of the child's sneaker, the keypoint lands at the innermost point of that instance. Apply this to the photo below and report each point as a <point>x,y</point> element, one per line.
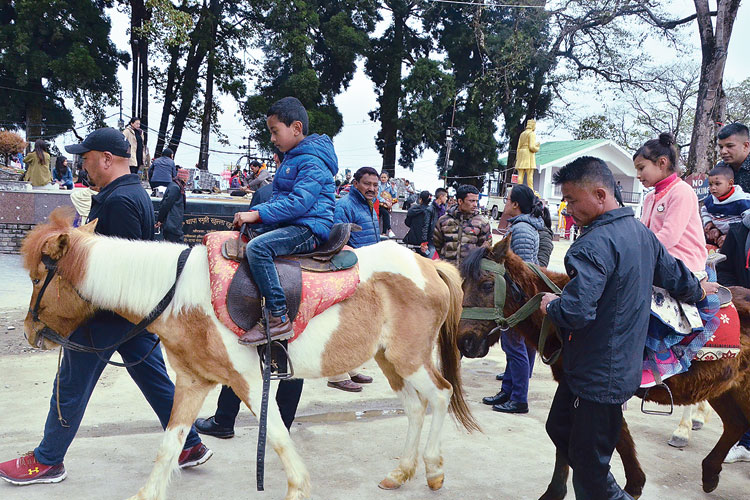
<point>198,454</point>
<point>391,234</point>
<point>26,470</point>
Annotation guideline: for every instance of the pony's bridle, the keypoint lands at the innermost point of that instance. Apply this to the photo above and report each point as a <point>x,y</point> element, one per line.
<point>48,333</point>
<point>495,313</point>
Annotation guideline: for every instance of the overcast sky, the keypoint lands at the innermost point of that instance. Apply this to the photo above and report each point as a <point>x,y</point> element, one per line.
<point>355,143</point>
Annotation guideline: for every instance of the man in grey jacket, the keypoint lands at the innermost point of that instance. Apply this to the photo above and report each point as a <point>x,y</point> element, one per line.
<point>603,313</point>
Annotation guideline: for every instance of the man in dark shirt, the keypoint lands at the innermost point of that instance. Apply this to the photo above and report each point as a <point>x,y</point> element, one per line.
<point>604,313</point>
<point>122,209</point>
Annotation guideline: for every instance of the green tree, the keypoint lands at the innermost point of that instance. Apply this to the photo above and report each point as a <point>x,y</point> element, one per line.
<point>738,102</point>
<point>52,50</point>
<point>310,51</point>
<point>401,43</point>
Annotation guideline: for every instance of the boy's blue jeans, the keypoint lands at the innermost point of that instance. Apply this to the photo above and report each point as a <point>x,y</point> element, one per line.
<point>79,373</point>
<point>261,251</point>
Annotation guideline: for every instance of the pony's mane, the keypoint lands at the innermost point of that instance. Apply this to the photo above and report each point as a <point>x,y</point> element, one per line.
<point>60,221</point>
<point>471,267</point>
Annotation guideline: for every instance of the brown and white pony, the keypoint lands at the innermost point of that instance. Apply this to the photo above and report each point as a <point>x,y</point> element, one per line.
<point>403,306</point>
<point>724,384</point>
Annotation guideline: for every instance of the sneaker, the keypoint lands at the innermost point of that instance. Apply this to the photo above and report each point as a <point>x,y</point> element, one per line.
<point>26,470</point>
<point>198,454</point>
<point>391,234</point>
<point>737,453</point>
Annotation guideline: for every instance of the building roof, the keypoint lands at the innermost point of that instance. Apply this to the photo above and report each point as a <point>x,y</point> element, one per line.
<point>553,151</point>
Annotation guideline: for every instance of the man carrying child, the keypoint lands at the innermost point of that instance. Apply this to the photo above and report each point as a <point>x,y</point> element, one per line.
<point>299,215</point>
<point>724,206</point>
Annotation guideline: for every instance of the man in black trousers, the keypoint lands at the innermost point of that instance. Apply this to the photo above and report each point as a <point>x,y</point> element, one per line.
<point>221,424</point>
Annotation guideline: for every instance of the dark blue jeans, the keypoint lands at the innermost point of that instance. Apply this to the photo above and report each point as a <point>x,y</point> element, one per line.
<point>519,365</point>
<point>287,397</point>
<point>745,440</point>
<point>79,373</point>
<point>261,251</point>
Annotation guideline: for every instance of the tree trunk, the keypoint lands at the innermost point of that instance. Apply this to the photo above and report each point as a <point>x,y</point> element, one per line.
<point>202,41</point>
<point>206,124</point>
<point>143,109</point>
<point>714,44</point>
<point>137,15</point>
<point>34,112</point>
<point>391,96</point>
<point>170,94</point>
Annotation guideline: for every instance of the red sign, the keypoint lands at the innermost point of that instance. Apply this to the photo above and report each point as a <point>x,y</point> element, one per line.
<point>514,179</point>
<point>699,183</point>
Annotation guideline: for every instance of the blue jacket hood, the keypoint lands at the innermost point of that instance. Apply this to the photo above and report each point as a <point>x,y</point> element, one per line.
<point>320,146</point>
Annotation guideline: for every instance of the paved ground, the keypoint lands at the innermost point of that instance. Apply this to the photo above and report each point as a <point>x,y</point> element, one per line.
<point>349,441</point>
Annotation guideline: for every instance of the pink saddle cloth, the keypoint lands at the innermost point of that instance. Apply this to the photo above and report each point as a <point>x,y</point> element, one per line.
<point>319,290</point>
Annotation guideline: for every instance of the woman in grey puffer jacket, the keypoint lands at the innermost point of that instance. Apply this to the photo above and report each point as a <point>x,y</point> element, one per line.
<point>546,241</point>
<point>525,210</point>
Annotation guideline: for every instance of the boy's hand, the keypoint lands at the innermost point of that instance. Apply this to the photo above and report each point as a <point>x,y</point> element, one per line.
<point>246,218</point>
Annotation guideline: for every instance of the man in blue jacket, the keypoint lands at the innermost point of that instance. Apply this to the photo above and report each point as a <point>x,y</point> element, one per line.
<point>603,313</point>
<point>299,215</point>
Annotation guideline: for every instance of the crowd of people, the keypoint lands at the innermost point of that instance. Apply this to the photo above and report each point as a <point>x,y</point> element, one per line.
<point>615,260</point>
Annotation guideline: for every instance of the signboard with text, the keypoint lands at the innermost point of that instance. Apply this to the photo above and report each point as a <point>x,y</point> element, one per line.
<point>699,183</point>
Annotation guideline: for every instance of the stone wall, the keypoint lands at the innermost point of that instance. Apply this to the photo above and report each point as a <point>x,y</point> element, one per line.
<point>11,236</point>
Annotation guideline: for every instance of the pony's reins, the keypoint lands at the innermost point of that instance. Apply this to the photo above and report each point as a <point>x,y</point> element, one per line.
<point>496,313</point>
<point>50,334</point>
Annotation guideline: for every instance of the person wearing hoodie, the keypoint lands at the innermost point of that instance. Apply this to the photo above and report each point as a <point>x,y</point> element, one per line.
<point>299,215</point>
<point>525,211</point>
<point>420,221</point>
<point>172,208</point>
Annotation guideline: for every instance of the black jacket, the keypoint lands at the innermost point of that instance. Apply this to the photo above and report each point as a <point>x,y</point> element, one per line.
<point>124,209</point>
<point>734,271</point>
<point>604,309</point>
<point>172,212</point>
<point>419,221</point>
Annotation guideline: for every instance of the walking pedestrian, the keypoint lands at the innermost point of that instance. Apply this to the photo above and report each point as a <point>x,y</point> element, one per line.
<point>386,197</point>
<point>139,155</point>
<point>420,220</point>
<point>172,208</point>
<point>604,318</point>
<point>124,210</point>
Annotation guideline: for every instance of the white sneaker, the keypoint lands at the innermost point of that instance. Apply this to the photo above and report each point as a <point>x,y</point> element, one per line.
<point>391,234</point>
<point>737,453</point>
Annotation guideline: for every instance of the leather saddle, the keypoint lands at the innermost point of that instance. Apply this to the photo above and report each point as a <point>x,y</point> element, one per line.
<point>243,296</point>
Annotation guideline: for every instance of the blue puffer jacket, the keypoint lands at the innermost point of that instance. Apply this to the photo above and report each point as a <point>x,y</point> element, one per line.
<point>354,208</point>
<point>525,241</point>
<point>303,188</point>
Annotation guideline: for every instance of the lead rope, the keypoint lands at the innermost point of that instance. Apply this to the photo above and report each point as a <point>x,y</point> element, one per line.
<point>60,418</point>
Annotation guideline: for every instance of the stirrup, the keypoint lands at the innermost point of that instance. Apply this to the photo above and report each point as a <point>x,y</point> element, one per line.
<point>658,412</point>
<point>278,364</point>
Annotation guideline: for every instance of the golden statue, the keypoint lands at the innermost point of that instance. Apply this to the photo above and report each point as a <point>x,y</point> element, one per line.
<point>526,151</point>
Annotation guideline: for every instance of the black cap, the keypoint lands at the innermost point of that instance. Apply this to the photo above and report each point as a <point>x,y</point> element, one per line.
<point>103,139</point>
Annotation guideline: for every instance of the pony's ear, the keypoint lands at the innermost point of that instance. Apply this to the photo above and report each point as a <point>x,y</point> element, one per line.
<point>90,227</point>
<point>501,249</point>
<point>56,246</point>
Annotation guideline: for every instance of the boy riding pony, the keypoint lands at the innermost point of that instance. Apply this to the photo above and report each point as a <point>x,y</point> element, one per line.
<point>299,215</point>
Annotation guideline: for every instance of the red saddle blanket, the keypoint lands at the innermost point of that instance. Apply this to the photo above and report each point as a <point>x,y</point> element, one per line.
<point>319,290</point>
<point>726,340</point>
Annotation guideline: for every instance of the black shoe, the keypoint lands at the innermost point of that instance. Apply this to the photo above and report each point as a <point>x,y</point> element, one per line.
<point>499,376</point>
<point>209,427</point>
<point>512,407</point>
<point>499,398</point>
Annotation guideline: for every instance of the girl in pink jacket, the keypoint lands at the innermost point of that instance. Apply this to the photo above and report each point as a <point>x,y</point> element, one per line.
<point>671,209</point>
<point>671,212</point>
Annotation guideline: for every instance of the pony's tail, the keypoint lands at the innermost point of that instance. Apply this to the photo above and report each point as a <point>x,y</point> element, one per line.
<point>450,358</point>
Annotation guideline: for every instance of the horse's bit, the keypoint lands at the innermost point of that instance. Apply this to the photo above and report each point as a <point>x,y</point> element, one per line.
<point>496,313</point>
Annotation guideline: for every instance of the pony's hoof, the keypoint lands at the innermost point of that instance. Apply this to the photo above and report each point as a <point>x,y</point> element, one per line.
<point>697,425</point>
<point>388,484</point>
<point>677,442</point>
<point>710,485</point>
<point>435,483</point>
